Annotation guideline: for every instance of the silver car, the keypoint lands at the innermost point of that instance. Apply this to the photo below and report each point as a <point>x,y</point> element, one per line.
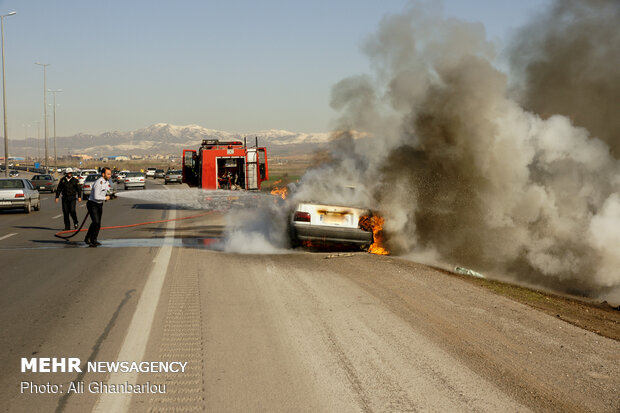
<point>19,193</point>
<point>173,176</point>
<point>134,180</point>
<point>87,188</point>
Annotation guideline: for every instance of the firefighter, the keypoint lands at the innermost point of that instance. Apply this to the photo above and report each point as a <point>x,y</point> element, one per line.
<point>69,187</point>
<point>94,205</point>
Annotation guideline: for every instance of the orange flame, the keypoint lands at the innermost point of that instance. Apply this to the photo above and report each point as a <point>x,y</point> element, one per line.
<point>375,223</point>
<point>279,191</point>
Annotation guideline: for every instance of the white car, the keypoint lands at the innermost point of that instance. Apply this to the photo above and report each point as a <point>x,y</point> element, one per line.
<point>84,173</point>
<point>134,180</point>
<point>150,172</point>
<point>19,193</point>
<point>329,224</point>
<point>120,177</point>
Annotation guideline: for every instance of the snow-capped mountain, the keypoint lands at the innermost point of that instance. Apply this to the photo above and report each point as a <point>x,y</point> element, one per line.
<point>167,138</point>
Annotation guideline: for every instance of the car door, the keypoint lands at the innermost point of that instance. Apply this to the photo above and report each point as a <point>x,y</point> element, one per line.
<point>29,190</point>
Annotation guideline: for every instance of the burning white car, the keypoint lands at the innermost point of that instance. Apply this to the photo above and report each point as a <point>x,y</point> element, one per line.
<point>312,223</point>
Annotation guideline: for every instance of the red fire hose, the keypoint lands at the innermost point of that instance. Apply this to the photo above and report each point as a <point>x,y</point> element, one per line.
<point>74,232</point>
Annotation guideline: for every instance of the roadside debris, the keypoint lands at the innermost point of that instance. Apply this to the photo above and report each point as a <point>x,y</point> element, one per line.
<point>340,255</point>
<point>467,271</point>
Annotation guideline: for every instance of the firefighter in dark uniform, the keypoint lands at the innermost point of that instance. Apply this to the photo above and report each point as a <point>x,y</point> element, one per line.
<point>69,187</point>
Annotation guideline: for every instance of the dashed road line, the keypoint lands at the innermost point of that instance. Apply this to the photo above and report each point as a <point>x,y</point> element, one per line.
<point>7,236</point>
<point>57,216</point>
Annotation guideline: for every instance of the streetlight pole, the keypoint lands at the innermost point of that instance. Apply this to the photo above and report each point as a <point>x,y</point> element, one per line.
<point>6,137</point>
<point>54,91</point>
<point>26,126</point>
<point>45,65</point>
<point>39,142</point>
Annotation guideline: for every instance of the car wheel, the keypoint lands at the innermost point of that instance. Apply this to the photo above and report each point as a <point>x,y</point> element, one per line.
<point>37,207</point>
<point>27,207</point>
<point>125,187</point>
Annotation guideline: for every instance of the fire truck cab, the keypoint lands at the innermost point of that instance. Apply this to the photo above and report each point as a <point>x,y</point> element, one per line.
<point>225,165</point>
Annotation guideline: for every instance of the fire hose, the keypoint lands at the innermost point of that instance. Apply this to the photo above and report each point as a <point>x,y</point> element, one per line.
<point>74,232</point>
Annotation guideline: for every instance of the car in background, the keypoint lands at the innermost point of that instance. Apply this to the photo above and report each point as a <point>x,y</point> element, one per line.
<point>150,172</point>
<point>134,180</point>
<point>120,177</point>
<point>173,176</point>
<point>87,187</point>
<point>13,174</point>
<point>159,174</point>
<point>44,182</point>
<point>329,224</point>
<point>19,193</point>
<point>84,173</point>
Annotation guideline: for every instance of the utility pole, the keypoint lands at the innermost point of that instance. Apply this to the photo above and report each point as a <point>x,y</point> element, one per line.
<point>54,91</point>
<point>39,142</point>
<point>26,126</point>
<point>45,65</point>
<point>6,132</point>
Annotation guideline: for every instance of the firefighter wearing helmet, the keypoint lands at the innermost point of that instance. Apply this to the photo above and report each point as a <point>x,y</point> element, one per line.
<point>69,187</point>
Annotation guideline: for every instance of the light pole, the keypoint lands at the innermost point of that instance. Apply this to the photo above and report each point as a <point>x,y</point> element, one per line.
<point>39,142</point>
<point>54,91</point>
<point>6,138</point>
<point>26,126</point>
<point>45,65</point>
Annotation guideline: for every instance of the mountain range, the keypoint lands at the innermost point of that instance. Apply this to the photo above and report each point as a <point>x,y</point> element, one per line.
<point>164,138</point>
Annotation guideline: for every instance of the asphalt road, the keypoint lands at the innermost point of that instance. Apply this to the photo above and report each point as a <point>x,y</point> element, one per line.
<point>294,331</point>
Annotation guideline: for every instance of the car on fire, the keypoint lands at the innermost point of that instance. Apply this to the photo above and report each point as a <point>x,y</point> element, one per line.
<point>313,223</point>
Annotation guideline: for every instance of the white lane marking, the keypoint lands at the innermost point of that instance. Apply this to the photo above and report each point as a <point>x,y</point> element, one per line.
<point>57,216</point>
<point>7,236</point>
<point>139,329</point>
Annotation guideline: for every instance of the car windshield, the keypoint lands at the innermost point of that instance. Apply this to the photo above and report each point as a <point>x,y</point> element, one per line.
<point>91,178</point>
<point>11,184</point>
<point>174,172</point>
<point>135,174</point>
<point>41,177</point>
<point>159,170</point>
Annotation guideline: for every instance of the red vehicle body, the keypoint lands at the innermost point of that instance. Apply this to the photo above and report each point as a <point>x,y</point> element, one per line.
<point>225,165</point>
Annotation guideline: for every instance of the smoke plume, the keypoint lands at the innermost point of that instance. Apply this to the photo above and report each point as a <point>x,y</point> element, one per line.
<point>464,173</point>
<point>567,62</point>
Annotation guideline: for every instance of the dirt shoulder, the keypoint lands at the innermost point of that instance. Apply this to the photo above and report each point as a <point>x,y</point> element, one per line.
<point>600,318</point>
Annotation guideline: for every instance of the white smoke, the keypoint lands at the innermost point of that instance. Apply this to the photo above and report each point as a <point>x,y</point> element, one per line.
<point>255,223</point>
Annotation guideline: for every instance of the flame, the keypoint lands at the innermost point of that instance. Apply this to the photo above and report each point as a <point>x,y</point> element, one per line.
<point>279,191</point>
<point>375,223</point>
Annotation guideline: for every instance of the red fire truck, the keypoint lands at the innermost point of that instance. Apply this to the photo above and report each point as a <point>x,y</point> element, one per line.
<point>225,165</point>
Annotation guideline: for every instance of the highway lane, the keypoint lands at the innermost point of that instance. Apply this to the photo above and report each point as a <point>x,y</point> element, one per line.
<point>283,332</point>
<point>63,298</point>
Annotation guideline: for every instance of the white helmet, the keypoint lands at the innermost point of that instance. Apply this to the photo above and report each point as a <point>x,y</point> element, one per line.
<point>69,170</point>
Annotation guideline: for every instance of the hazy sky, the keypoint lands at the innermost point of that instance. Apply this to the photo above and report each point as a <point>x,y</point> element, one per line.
<point>236,65</point>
